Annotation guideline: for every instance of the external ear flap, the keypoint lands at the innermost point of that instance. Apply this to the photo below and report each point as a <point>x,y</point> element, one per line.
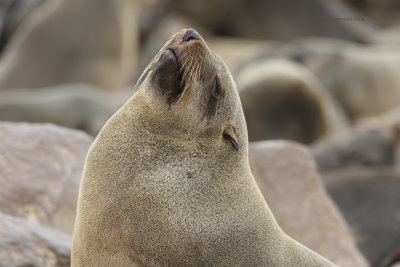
<point>167,76</point>
<point>230,136</point>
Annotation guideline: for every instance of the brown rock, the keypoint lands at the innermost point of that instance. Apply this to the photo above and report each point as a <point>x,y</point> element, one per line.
<point>23,243</point>
<point>287,177</point>
<point>369,200</point>
<point>40,171</point>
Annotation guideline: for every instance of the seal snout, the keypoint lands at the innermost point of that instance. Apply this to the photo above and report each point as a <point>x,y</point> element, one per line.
<point>191,34</point>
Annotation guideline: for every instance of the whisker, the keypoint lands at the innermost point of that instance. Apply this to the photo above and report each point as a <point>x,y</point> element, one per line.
<point>151,65</point>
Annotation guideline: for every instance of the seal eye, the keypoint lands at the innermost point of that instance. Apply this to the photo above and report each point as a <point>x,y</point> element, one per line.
<point>216,91</point>
<point>215,94</point>
<point>230,136</point>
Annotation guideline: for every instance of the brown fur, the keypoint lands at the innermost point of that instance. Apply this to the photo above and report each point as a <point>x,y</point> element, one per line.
<point>162,186</point>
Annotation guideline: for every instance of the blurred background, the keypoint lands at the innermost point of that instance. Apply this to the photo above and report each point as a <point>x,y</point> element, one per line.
<point>324,73</point>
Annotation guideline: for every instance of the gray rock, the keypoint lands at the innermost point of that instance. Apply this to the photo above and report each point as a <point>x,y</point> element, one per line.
<point>23,243</point>
<point>369,201</point>
<point>40,171</point>
<point>286,175</point>
<point>79,106</point>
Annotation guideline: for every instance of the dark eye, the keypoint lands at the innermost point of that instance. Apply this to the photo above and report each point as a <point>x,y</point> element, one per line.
<point>216,91</point>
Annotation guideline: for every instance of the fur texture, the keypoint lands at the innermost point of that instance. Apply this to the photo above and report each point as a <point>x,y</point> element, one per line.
<point>164,186</point>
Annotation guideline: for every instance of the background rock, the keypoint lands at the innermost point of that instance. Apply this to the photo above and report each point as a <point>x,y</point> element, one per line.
<point>23,243</point>
<point>40,171</point>
<point>370,203</point>
<point>286,175</point>
<point>79,106</point>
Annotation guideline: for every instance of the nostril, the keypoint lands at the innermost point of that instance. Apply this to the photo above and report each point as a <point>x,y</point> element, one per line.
<point>191,34</point>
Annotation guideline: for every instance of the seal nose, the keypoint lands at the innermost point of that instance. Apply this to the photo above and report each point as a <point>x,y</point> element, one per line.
<point>191,34</point>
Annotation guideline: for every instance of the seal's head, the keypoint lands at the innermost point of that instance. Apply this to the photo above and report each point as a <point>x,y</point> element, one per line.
<point>191,94</point>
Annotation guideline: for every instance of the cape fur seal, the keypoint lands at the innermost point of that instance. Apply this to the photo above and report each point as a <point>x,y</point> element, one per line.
<point>167,181</point>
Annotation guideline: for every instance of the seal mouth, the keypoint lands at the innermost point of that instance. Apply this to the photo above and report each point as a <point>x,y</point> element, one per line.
<point>176,68</point>
<point>171,53</point>
<point>175,86</point>
<point>168,76</point>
